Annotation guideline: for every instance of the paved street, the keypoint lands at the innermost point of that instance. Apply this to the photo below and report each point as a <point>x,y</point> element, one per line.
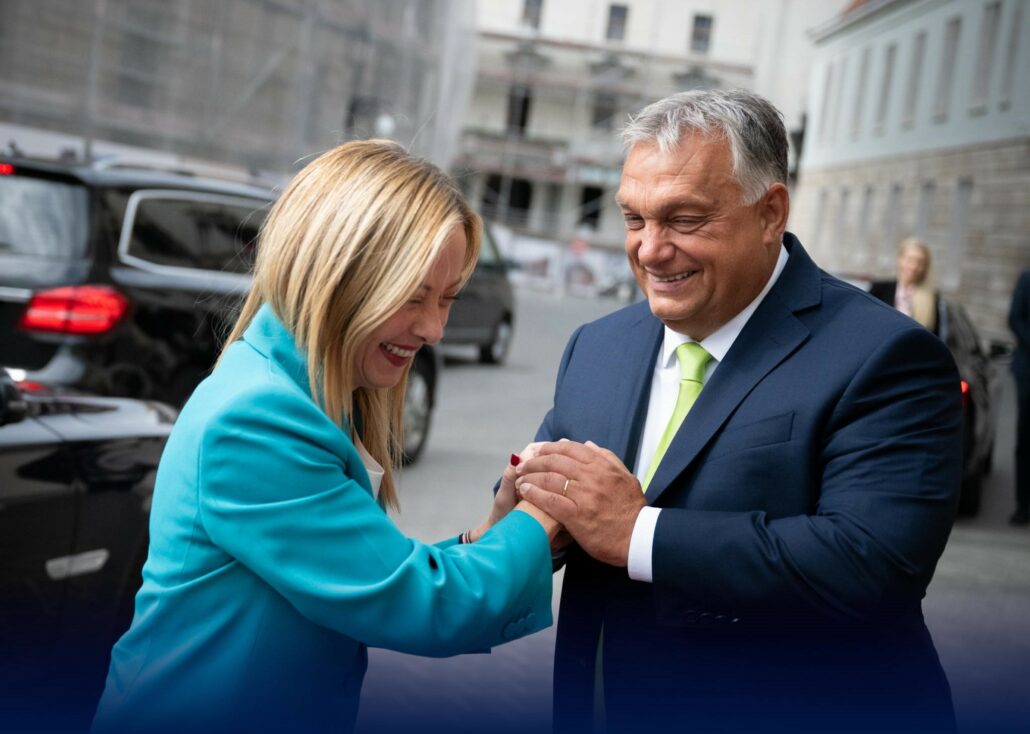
<point>978,607</point>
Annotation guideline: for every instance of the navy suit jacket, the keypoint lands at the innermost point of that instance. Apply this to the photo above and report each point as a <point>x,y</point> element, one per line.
<point>1019,322</point>
<point>805,502</point>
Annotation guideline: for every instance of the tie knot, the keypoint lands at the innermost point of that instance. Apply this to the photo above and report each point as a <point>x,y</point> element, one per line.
<point>693,360</point>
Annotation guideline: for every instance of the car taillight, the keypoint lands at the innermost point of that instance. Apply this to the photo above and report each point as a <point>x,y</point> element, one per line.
<point>85,309</point>
<point>965,391</point>
<point>6,169</point>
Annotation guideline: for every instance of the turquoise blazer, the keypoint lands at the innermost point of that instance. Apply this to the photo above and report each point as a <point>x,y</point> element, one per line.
<point>271,566</point>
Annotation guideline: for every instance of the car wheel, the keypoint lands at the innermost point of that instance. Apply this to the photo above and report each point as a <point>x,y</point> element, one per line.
<point>497,350</point>
<point>418,408</point>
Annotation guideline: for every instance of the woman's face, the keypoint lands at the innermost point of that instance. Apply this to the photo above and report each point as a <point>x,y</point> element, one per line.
<point>912,266</point>
<point>391,347</point>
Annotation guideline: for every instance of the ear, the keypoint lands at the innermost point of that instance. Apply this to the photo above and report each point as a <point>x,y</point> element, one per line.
<point>774,208</point>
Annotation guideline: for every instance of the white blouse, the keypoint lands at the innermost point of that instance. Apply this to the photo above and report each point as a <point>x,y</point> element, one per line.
<point>374,469</point>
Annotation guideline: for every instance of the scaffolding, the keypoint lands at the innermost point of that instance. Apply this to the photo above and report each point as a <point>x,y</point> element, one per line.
<point>260,84</point>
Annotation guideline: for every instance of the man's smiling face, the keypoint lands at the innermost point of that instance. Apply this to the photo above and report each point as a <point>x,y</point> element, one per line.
<point>699,253</point>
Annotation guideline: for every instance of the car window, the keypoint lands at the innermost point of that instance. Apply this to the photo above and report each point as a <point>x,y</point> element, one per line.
<point>207,233</point>
<point>488,253</point>
<point>42,218</point>
<point>965,332</point>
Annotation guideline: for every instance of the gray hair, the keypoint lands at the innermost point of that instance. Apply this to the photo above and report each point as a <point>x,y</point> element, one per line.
<point>750,123</point>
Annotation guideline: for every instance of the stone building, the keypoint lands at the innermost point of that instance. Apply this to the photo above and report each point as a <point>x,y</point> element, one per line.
<point>557,79</point>
<point>920,125</point>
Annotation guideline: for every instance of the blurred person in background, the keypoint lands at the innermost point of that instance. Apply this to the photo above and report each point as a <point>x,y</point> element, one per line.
<point>1019,322</point>
<point>763,463</point>
<point>272,562</point>
<point>913,292</point>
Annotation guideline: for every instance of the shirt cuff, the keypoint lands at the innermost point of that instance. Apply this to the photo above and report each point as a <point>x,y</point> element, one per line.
<point>641,544</point>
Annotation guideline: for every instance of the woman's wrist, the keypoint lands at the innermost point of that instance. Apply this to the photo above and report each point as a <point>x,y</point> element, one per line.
<point>471,536</point>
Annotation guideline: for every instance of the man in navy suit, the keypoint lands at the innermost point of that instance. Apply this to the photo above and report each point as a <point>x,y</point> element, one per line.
<point>1019,322</point>
<point>770,574</point>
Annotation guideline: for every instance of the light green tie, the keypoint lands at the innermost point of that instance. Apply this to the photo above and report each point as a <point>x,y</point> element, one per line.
<point>693,360</point>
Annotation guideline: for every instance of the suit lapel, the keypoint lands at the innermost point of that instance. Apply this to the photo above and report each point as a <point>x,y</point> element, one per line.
<point>771,334</point>
<point>632,393</point>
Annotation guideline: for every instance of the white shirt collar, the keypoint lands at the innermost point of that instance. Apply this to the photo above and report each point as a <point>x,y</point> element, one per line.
<point>719,342</point>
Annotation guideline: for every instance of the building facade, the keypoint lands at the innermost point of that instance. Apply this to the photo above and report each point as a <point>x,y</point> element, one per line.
<point>259,84</point>
<point>920,125</point>
<point>557,80</point>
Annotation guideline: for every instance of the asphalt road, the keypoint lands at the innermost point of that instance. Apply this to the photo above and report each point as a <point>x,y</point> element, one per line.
<point>977,608</point>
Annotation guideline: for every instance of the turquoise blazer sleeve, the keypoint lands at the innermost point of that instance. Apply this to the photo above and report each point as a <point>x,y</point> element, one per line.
<point>278,491</point>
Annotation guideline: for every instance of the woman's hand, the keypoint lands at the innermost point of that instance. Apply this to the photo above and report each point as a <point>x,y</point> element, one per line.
<point>506,497</point>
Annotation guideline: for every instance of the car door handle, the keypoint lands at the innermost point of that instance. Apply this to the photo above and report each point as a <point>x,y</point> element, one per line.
<point>79,564</point>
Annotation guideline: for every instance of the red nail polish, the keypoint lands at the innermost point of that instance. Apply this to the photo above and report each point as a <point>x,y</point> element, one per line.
<point>515,459</point>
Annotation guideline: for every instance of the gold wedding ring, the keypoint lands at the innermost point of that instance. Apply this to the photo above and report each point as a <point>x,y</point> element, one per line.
<point>565,489</point>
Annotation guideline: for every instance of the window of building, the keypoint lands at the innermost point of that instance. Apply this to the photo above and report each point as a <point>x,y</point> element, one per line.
<point>838,98</point>
<point>820,215</point>
<point>957,240</point>
<point>519,102</point>
<point>591,202</point>
<point>824,112</point>
<point>553,195</point>
<point>985,55</point>
<point>862,224</point>
<point>891,224</point>
<point>840,229</point>
<point>883,106</point>
<point>915,71</point>
<point>701,35</point>
<point>617,15</point>
<point>863,81</point>
<point>606,107</point>
<point>924,210</point>
<point>531,10</point>
<point>1011,52</point>
<point>946,79</point>
<point>507,199</point>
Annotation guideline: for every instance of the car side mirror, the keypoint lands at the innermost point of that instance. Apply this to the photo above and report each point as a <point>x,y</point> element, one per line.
<point>1000,349</point>
<point>13,407</point>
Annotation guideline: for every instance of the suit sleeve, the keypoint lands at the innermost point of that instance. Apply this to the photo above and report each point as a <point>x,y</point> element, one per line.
<point>276,496</point>
<point>1019,313</point>
<point>890,467</point>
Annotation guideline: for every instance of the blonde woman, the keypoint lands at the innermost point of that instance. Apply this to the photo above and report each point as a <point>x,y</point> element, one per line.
<point>913,292</point>
<point>272,563</point>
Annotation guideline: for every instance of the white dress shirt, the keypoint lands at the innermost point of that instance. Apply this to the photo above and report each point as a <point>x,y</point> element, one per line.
<point>662,403</point>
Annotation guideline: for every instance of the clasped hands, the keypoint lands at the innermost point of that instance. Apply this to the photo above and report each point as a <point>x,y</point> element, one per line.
<point>586,489</point>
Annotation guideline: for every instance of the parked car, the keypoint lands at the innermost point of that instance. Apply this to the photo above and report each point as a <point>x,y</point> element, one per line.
<point>122,281</point>
<point>76,479</point>
<point>484,315</point>
<point>977,373</point>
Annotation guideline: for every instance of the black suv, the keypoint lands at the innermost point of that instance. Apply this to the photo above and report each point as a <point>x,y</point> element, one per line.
<point>121,281</point>
<point>76,479</point>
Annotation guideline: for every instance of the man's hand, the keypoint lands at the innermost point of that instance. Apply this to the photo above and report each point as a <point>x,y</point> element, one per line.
<point>599,504</point>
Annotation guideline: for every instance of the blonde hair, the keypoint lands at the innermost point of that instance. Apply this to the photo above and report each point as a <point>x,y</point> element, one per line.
<point>346,245</point>
<point>924,293</point>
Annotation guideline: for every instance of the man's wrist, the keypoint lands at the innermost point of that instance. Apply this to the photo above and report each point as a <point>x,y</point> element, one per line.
<point>641,545</point>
